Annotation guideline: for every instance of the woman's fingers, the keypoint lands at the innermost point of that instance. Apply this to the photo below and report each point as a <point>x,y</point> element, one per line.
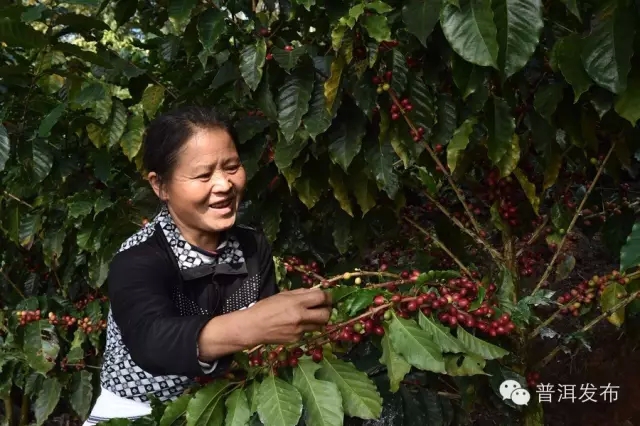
<point>316,316</point>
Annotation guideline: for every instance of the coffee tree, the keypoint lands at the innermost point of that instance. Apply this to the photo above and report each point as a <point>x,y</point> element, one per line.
<point>430,163</point>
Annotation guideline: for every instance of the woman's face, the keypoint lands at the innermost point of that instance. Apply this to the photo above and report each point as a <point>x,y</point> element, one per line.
<point>205,190</point>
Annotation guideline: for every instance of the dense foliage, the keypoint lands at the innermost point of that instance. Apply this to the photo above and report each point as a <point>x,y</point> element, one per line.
<point>429,162</point>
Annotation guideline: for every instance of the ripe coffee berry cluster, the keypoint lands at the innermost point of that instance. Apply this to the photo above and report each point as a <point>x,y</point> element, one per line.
<point>64,365</point>
<point>292,262</point>
<point>82,303</point>
<point>357,331</point>
<point>26,317</point>
<point>418,134</point>
<point>532,378</point>
<point>586,291</point>
<point>528,261</point>
<point>387,45</point>
<point>405,105</point>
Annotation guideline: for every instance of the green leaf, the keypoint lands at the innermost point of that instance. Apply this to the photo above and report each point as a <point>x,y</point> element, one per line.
<point>238,413</point>
<point>264,100</point>
<point>42,160</point>
<point>380,157</point>
<point>293,103</point>
<point>630,252</point>
<point>180,13</point>
<point>627,105</point>
<point>309,189</point>
<point>424,109</point>
<point>211,25</point>
<point>271,221</point>
<point>287,151</point>
<point>421,17</point>
<point>529,189</point>
<point>337,181</point>
<point>363,190</point>
<point>519,24</point>
<point>565,268</point>
<point>546,99</point>
<point>47,399</point>
<point>17,34</point>
<point>559,216</point>
<point>5,147</point>
<point>500,125</point>
<point>607,50</point>
<point>397,366</point>
<point>467,76</point>
<point>50,120</point>
<point>332,84</point>
<point>207,406</point>
<point>360,397</point>
<point>509,162</point>
<point>118,123</point>
<point>506,291</point>
<point>610,297</point>
<point>253,392</point>
<point>471,32</point>
<point>81,393</point>
<point>288,59</point>
<point>440,335</point>
<point>30,225</point>
<point>152,97</point>
<point>347,141</point>
<point>415,345</point>
<point>459,142</point>
<point>174,411</point>
<point>570,64</point>
<point>252,59</point>
<point>131,141</point>
<point>572,6</point>
<point>479,347</point>
<point>341,232</point>
<point>317,120</point>
<point>470,366</point>
<point>400,72</point>
<point>321,398</point>
<point>378,27</point>
<point>428,181</point>
<point>279,403</point>
<point>360,300</point>
<point>379,6</point>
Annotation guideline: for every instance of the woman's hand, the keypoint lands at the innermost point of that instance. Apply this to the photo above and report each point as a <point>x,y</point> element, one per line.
<point>286,316</point>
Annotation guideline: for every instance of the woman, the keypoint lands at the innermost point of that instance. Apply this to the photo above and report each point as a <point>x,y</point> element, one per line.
<point>192,288</point>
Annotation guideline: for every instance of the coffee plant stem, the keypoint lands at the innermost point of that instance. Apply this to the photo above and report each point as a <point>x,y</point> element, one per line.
<point>8,409</point>
<point>15,287</point>
<point>549,320</point>
<point>24,410</point>
<point>534,237</point>
<point>595,215</point>
<point>8,194</point>
<point>363,274</point>
<point>624,302</point>
<point>547,272</point>
<point>439,244</point>
<point>494,253</point>
<point>433,155</point>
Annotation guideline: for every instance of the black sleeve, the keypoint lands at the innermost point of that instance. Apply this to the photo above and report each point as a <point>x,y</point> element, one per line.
<point>269,287</point>
<point>159,340</point>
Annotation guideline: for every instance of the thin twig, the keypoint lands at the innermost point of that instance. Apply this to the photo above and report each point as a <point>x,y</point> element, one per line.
<point>15,287</point>
<point>536,234</point>
<point>8,194</point>
<point>549,320</point>
<point>624,302</point>
<point>435,158</point>
<point>573,222</point>
<point>494,253</point>
<point>440,244</point>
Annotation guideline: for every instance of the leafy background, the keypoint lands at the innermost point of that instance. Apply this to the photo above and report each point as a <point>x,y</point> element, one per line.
<point>541,94</point>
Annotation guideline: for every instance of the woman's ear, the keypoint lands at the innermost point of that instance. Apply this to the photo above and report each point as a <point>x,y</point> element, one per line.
<point>156,185</point>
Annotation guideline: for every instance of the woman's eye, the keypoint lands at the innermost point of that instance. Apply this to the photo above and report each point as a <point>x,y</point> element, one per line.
<point>204,176</point>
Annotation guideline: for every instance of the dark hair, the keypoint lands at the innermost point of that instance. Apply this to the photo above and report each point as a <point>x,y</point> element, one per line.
<point>167,134</point>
